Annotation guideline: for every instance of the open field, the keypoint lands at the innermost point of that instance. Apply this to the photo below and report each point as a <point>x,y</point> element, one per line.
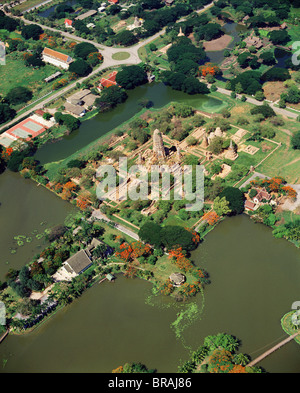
<point>15,73</point>
<point>28,4</point>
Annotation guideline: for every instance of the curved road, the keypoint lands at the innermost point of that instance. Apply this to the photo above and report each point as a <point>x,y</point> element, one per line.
<point>108,61</point>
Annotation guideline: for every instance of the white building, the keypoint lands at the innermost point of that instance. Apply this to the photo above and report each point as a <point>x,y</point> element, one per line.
<point>56,58</point>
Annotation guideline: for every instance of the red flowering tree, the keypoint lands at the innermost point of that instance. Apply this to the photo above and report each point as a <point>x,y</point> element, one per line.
<point>289,191</point>
<point>211,217</point>
<point>6,153</point>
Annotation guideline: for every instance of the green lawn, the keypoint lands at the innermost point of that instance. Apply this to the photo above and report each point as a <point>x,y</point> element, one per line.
<point>121,56</point>
<point>14,73</point>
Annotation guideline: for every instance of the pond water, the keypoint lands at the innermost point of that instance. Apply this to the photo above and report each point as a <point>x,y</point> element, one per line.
<point>47,12</point>
<point>255,279</point>
<point>281,57</point>
<point>232,29</point>
<point>26,210</point>
<point>101,124</point>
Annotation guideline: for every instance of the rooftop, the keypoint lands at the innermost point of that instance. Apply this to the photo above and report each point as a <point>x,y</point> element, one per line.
<point>78,262</point>
<point>86,15</point>
<point>57,55</point>
<point>76,110</point>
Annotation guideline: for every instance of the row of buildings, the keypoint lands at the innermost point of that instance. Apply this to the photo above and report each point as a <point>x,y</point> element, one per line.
<point>82,101</point>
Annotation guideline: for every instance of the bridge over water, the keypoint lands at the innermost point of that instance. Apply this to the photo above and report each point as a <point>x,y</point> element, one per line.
<point>273,349</point>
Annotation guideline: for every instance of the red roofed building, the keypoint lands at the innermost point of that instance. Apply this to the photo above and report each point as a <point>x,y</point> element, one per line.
<point>56,58</point>
<point>109,81</point>
<point>263,194</point>
<point>249,205</point>
<point>68,23</point>
<point>113,1</point>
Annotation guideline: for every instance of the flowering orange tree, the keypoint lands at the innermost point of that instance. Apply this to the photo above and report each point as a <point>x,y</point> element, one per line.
<point>220,361</point>
<point>289,191</point>
<point>118,370</point>
<point>6,153</point>
<point>82,202</point>
<point>238,369</point>
<point>208,68</point>
<point>67,190</point>
<point>42,36</point>
<point>125,251</point>
<point>178,256</point>
<point>60,83</point>
<point>130,271</point>
<point>274,184</point>
<point>211,217</point>
<point>188,290</point>
<point>131,251</point>
<point>167,287</point>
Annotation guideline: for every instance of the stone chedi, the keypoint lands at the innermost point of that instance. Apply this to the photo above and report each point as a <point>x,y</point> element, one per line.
<point>158,145</point>
<point>231,154</point>
<point>204,143</point>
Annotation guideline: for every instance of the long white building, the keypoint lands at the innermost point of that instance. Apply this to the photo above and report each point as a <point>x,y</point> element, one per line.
<point>56,58</point>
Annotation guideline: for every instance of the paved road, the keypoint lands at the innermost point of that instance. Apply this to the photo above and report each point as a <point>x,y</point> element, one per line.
<point>100,216</point>
<point>134,58</point>
<point>108,61</point>
<point>108,51</point>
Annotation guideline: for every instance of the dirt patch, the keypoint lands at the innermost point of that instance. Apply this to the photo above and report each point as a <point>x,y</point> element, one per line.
<point>217,44</point>
<point>273,90</point>
<point>238,110</point>
<point>265,147</point>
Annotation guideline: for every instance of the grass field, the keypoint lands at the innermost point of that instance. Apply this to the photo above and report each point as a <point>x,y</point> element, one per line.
<point>27,4</point>
<point>15,73</point>
<point>121,56</point>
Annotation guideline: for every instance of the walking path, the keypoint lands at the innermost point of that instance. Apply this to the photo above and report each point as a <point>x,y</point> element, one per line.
<point>100,216</point>
<point>273,349</point>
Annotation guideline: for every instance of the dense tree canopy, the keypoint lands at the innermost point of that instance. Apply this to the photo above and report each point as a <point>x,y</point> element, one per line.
<point>131,76</point>
<point>6,113</point>
<point>111,96</point>
<point>249,81</point>
<point>32,31</point>
<point>276,74</point>
<point>296,140</point>
<point>83,49</point>
<point>209,32</point>
<point>19,95</point>
<point>279,37</point>
<point>8,23</point>
<point>125,38</point>
<point>80,67</point>
<point>235,197</point>
<point>264,110</point>
<point>169,236</point>
<point>150,233</point>
<point>183,49</point>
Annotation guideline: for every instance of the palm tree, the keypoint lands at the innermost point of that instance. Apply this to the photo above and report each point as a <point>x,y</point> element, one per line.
<point>241,358</point>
